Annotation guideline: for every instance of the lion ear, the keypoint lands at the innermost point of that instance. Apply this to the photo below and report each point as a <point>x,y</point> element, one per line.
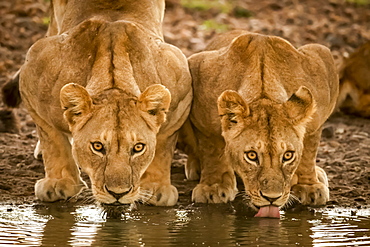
<point>300,106</point>
<point>232,109</point>
<point>75,101</point>
<point>240,44</point>
<point>154,103</point>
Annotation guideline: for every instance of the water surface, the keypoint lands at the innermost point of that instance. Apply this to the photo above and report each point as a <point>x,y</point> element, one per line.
<point>61,224</point>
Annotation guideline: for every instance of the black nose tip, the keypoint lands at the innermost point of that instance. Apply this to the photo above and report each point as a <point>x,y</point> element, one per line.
<point>268,198</point>
<point>118,195</point>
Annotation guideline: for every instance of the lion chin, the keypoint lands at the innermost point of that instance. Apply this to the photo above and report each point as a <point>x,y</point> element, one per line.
<point>108,96</point>
<point>258,109</point>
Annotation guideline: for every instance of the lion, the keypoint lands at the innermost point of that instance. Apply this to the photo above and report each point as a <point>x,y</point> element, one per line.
<point>108,96</point>
<point>354,81</point>
<point>272,100</point>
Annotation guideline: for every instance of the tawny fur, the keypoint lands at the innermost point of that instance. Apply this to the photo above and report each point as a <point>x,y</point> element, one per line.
<point>104,78</point>
<point>354,77</point>
<point>257,96</point>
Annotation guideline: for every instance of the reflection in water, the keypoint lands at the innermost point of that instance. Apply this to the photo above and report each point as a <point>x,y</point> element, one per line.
<point>337,228</point>
<point>21,225</point>
<point>205,225</point>
<point>88,220</point>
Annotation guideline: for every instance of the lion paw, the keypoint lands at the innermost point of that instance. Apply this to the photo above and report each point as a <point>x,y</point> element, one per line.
<point>314,195</point>
<point>215,193</point>
<point>51,190</point>
<point>159,195</point>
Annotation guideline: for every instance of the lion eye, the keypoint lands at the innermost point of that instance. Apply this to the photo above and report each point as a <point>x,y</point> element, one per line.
<point>139,147</point>
<point>288,155</point>
<point>251,156</point>
<point>98,146</point>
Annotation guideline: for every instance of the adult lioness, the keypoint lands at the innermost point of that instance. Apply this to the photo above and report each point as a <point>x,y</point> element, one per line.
<point>104,78</point>
<point>273,100</point>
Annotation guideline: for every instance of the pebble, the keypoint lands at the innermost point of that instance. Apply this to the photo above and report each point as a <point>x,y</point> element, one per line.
<point>328,132</point>
<point>358,137</point>
<point>334,144</point>
<point>4,187</point>
<point>339,131</point>
<point>360,199</point>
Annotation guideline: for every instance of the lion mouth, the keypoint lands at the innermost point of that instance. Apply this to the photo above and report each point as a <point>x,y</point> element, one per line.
<point>115,210</point>
<point>117,203</point>
<point>269,211</point>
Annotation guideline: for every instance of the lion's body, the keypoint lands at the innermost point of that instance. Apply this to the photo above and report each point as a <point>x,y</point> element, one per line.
<point>97,60</point>
<point>354,77</point>
<point>259,114</point>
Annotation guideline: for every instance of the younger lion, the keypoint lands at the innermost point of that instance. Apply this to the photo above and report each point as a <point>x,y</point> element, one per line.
<point>100,87</point>
<point>273,100</point>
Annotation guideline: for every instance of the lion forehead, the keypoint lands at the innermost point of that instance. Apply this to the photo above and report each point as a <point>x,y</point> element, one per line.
<point>114,121</point>
<point>106,135</point>
<point>268,132</point>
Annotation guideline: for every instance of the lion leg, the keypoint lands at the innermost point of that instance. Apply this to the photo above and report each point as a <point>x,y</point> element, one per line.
<point>310,183</point>
<point>155,183</point>
<point>192,168</point>
<point>62,176</point>
<point>217,181</point>
<point>187,142</point>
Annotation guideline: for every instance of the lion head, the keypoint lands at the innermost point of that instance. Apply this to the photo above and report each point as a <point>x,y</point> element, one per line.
<point>114,136</point>
<point>264,142</point>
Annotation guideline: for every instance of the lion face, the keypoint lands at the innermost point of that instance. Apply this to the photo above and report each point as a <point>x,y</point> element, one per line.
<point>264,142</point>
<point>114,137</point>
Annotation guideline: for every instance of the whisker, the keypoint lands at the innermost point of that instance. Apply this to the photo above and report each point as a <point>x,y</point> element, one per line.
<point>240,193</point>
<point>292,199</point>
<point>134,205</point>
<point>114,211</point>
<point>84,197</point>
<point>145,196</point>
<point>89,200</point>
<point>103,213</point>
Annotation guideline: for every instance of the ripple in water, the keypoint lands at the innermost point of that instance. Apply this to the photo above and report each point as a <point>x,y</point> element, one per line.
<point>205,225</point>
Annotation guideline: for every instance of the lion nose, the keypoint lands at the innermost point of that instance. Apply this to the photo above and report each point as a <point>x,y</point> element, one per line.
<point>271,198</point>
<point>118,195</point>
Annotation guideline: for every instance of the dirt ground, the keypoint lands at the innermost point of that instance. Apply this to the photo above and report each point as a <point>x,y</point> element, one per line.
<point>341,25</point>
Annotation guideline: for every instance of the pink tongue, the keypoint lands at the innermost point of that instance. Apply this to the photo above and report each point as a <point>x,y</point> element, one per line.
<point>269,212</point>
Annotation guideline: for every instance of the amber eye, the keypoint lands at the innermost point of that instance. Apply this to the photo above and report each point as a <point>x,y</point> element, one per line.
<point>98,146</point>
<point>139,147</point>
<point>251,156</point>
<point>288,155</point>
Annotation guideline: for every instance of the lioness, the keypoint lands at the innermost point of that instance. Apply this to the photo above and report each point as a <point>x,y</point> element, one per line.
<point>354,81</point>
<point>273,100</point>
<point>104,80</point>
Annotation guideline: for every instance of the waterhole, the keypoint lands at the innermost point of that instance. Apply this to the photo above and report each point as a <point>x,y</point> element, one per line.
<point>61,224</point>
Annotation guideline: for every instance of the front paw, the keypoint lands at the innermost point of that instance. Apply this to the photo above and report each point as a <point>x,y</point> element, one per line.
<point>159,194</point>
<point>51,189</point>
<point>311,194</point>
<point>216,193</point>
